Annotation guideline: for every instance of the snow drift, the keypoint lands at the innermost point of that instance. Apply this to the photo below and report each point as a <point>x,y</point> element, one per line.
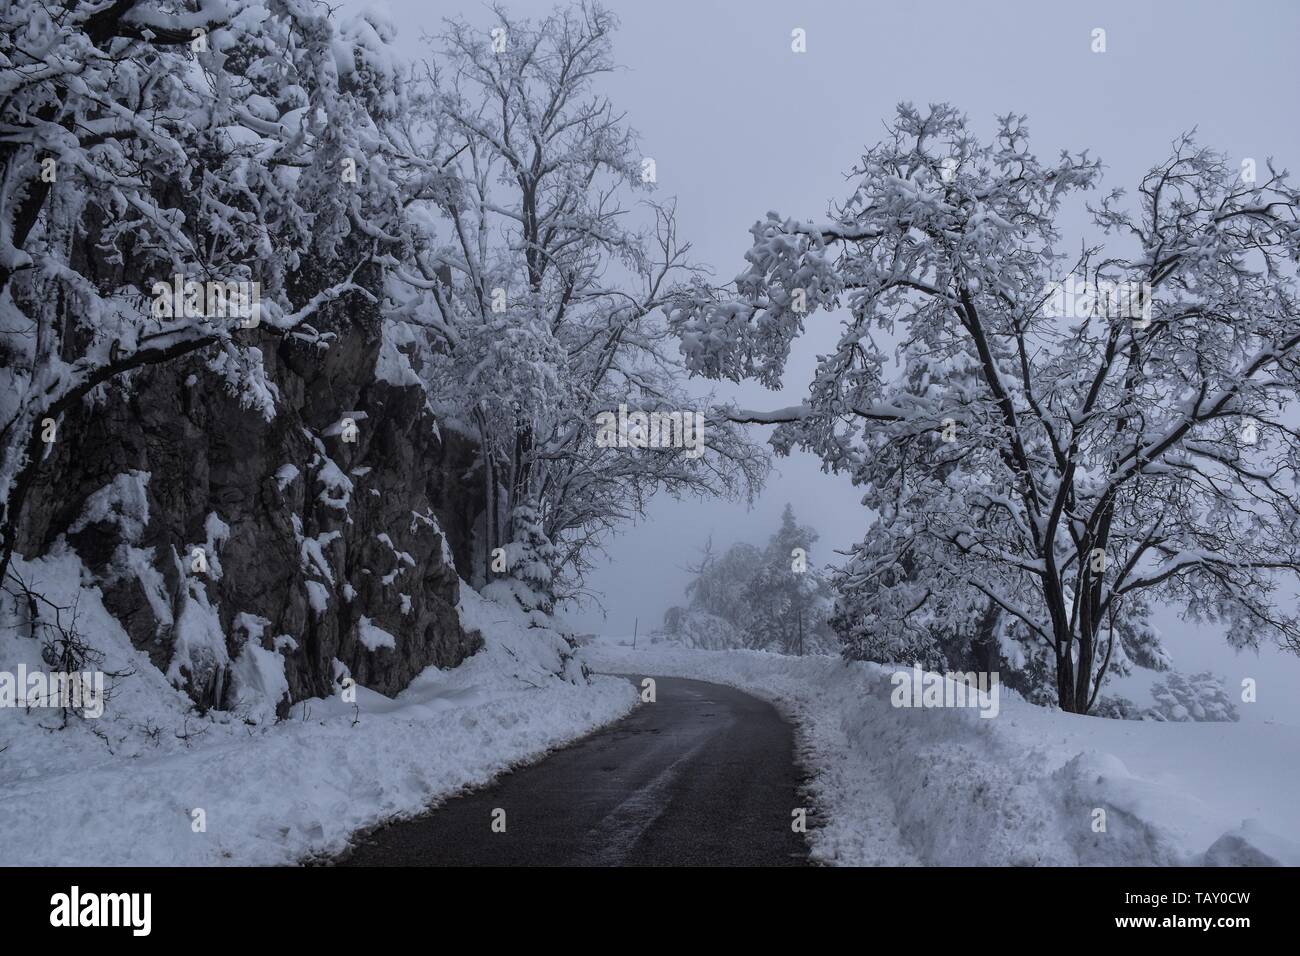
<point>944,787</point>
<point>154,783</point>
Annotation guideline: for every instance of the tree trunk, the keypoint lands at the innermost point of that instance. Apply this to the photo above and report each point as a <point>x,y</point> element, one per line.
<point>1083,675</point>
<point>1065,673</point>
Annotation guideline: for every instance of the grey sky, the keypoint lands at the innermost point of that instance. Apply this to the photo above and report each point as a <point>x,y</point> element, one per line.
<point>739,124</point>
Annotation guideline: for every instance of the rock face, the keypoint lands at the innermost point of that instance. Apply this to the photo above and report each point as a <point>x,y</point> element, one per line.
<point>249,539</point>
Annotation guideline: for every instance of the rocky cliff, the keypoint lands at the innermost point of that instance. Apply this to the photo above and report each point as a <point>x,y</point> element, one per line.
<point>262,534</point>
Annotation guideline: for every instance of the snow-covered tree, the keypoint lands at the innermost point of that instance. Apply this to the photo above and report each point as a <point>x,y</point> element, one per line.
<point>148,145</point>
<point>545,284</point>
<point>788,597</point>
<point>1066,439</point>
<point>720,582</point>
<point>700,629</point>
<point>480,220</point>
<point>1198,697</point>
<point>771,598</point>
<point>531,559</point>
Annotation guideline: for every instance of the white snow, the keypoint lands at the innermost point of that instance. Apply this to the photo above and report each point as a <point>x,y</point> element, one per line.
<point>218,531</point>
<point>943,786</point>
<point>272,792</point>
<point>123,502</point>
<point>373,636</point>
<point>318,596</point>
<point>392,365</point>
<point>286,475</point>
<point>259,682</point>
<point>200,643</point>
<point>337,491</point>
<point>245,378</point>
<point>938,786</point>
<point>313,553</point>
<point>139,563</point>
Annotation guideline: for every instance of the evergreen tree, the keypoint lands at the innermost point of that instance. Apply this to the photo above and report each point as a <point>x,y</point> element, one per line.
<point>531,559</point>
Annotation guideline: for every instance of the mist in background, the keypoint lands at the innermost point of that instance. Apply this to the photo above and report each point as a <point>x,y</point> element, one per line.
<point>738,124</point>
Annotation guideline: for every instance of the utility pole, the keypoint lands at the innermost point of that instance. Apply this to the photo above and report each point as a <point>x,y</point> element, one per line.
<point>801,632</point>
<point>635,623</point>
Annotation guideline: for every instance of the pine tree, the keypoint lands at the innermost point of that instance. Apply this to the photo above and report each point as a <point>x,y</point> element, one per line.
<point>531,559</point>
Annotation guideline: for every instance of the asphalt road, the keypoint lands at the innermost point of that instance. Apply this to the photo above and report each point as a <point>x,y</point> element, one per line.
<point>705,776</point>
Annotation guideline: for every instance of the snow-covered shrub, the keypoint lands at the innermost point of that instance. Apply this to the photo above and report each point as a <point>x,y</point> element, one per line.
<point>1117,708</point>
<point>531,559</point>
<point>1198,697</point>
<point>698,628</point>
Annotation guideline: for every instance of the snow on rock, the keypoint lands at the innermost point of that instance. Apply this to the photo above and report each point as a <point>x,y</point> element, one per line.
<point>273,792</point>
<point>123,502</point>
<point>245,378</point>
<point>318,596</point>
<point>258,679</point>
<point>217,533</point>
<point>225,424</point>
<point>336,430</point>
<point>136,701</point>
<point>313,554</point>
<point>373,636</point>
<point>428,520</point>
<point>199,654</point>
<point>337,486</point>
<point>138,563</point>
<point>286,475</point>
<point>392,365</point>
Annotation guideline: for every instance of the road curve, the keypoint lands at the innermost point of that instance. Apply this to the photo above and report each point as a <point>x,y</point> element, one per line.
<point>705,776</point>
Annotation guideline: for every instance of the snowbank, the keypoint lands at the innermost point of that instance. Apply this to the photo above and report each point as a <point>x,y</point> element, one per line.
<point>128,789</point>
<point>944,786</point>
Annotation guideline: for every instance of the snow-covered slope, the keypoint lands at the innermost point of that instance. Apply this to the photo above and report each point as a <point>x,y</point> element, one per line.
<point>125,789</point>
<point>944,786</point>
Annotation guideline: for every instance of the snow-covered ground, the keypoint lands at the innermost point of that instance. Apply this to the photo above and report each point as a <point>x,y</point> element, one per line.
<point>890,785</point>
<point>124,789</point>
<point>945,786</point>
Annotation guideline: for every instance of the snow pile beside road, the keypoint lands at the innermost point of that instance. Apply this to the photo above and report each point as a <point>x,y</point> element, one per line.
<point>126,789</point>
<point>946,787</point>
